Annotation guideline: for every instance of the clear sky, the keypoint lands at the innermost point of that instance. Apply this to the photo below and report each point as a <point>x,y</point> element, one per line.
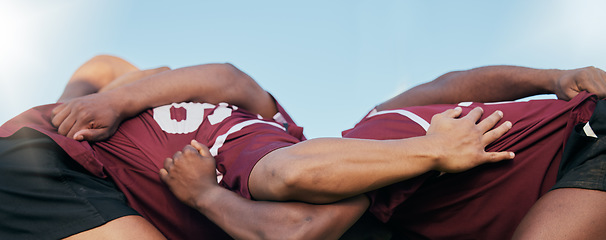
<point>327,62</point>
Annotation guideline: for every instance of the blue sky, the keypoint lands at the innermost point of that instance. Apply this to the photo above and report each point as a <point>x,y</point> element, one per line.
<point>327,62</point>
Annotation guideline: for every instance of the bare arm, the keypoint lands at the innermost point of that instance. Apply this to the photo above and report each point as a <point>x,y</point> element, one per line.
<point>210,83</point>
<point>501,83</point>
<point>190,174</point>
<point>327,170</point>
<point>97,116</point>
<point>247,219</point>
<point>94,74</point>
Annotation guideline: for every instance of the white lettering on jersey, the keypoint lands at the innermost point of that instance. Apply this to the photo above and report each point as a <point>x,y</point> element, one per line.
<point>194,117</point>
<point>414,117</point>
<point>220,114</point>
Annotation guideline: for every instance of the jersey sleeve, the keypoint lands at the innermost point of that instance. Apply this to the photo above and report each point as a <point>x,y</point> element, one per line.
<point>240,148</point>
<point>285,119</point>
<point>242,151</point>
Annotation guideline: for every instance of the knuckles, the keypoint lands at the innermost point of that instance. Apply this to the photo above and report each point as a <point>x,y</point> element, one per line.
<point>189,150</point>
<point>177,155</point>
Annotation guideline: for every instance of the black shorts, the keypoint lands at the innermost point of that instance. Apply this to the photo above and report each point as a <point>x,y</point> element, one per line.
<point>44,194</point>
<point>584,159</point>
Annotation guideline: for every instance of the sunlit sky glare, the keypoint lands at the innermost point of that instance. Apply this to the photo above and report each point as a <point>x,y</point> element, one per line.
<point>327,62</point>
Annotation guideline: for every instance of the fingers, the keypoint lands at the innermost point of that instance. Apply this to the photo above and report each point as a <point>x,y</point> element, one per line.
<point>59,119</point>
<point>65,121</point>
<point>202,149</point>
<point>496,133</point>
<point>169,162</point>
<point>596,82</point>
<point>499,156</point>
<point>490,121</point>
<point>590,79</point>
<point>474,115</point>
<point>452,113</point>
<point>189,150</point>
<point>73,127</point>
<point>163,174</point>
<point>179,157</point>
<point>67,125</point>
<point>58,115</point>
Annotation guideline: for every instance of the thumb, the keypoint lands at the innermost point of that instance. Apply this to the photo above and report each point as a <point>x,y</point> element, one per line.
<point>200,147</point>
<point>91,134</point>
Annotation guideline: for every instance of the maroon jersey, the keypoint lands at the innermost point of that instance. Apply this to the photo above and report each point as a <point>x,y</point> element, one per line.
<point>486,202</point>
<point>38,118</point>
<point>134,155</point>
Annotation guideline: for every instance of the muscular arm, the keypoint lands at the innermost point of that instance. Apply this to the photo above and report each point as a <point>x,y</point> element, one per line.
<point>190,174</point>
<point>97,116</point>
<point>210,83</point>
<point>501,83</point>
<point>327,170</point>
<point>94,74</point>
<point>247,219</point>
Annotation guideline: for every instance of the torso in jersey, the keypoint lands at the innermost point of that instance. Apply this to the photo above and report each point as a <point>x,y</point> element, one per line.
<point>486,202</point>
<point>134,155</point>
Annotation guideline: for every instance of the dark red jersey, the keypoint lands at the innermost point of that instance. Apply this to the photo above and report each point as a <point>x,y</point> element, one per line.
<point>236,138</point>
<point>486,202</point>
<point>134,155</point>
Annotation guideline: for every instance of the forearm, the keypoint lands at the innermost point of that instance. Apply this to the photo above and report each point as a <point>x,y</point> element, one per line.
<point>326,170</point>
<point>246,219</point>
<point>94,74</point>
<point>484,84</point>
<point>329,169</point>
<point>191,176</point>
<point>77,89</point>
<point>211,83</point>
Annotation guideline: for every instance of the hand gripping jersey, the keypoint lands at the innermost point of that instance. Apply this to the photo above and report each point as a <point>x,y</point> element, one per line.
<point>486,202</point>
<point>134,155</point>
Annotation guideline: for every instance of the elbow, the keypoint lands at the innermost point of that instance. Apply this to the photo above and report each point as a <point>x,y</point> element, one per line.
<point>222,76</point>
<point>227,72</point>
<point>297,182</point>
<point>228,68</point>
<point>235,81</point>
<point>290,183</point>
<point>283,184</point>
<point>232,74</point>
<point>240,81</point>
<point>277,177</point>
<point>449,76</point>
<point>288,175</point>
